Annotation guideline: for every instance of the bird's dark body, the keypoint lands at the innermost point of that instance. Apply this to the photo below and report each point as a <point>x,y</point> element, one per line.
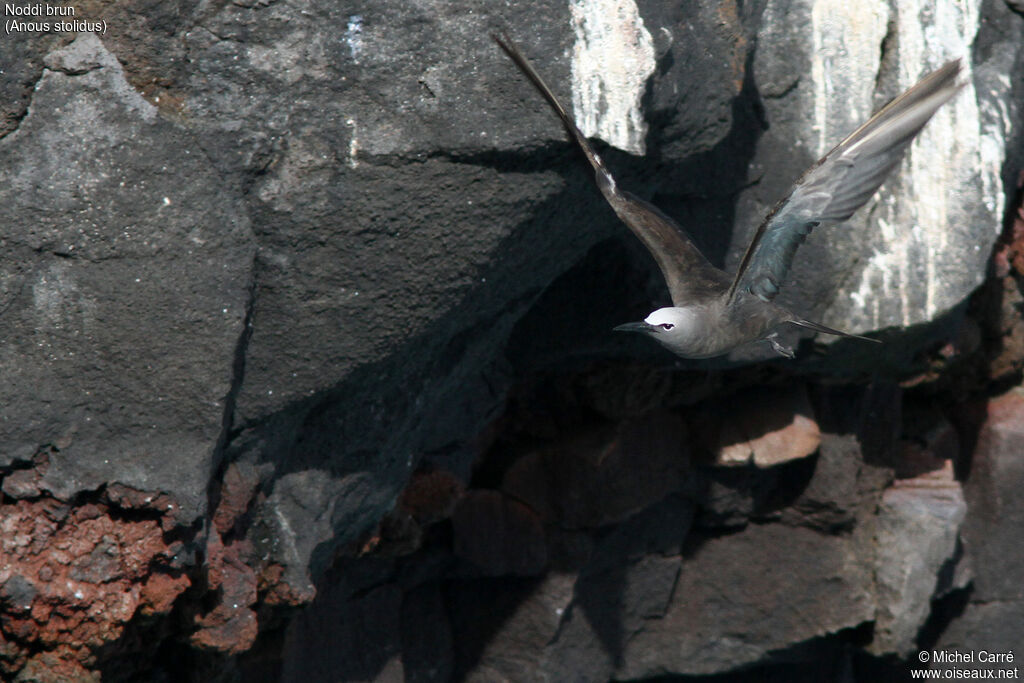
<point>713,312</point>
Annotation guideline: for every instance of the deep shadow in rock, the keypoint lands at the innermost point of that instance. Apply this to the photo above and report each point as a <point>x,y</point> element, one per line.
<point>944,611</point>
<point>873,413</point>
<point>632,574</point>
<point>477,609</point>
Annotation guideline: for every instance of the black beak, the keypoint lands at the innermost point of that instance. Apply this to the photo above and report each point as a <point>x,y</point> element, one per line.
<point>634,327</point>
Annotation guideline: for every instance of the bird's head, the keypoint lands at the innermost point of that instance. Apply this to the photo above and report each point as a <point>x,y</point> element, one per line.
<point>665,325</point>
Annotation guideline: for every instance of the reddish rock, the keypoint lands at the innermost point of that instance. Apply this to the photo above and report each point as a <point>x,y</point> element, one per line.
<point>128,498</point>
<point>231,626</point>
<point>228,629</point>
<point>47,667</point>
<point>72,578</point>
<point>12,657</point>
<point>160,591</point>
<point>1009,253</point>
<point>233,572</point>
<point>236,494</point>
<point>431,496</point>
<point>276,591</point>
<point>428,498</point>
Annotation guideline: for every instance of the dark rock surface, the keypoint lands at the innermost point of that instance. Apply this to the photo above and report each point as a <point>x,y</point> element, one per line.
<point>993,617</point>
<point>127,270</point>
<point>308,305</point>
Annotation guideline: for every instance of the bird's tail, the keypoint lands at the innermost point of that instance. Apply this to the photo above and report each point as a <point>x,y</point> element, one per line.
<point>818,327</point>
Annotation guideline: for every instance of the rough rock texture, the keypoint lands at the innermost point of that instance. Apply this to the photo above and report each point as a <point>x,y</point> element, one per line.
<point>993,618</point>
<point>310,303</point>
<point>126,274</point>
<point>73,576</point>
<point>929,519</point>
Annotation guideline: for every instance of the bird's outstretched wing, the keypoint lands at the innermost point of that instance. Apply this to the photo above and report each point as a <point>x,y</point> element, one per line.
<point>841,182</point>
<point>687,273</point>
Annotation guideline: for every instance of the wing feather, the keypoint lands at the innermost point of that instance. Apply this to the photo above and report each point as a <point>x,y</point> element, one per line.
<point>687,272</point>
<point>841,182</point>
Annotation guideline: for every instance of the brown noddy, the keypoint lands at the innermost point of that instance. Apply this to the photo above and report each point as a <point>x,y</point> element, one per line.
<point>713,313</point>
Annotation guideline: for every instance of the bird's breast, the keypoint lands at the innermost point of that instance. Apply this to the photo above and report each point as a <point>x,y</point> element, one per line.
<point>715,330</point>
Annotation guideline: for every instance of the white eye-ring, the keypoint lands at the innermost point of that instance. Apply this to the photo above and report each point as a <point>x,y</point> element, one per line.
<point>666,326</point>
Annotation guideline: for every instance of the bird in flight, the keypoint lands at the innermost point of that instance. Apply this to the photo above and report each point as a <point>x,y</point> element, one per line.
<point>713,313</point>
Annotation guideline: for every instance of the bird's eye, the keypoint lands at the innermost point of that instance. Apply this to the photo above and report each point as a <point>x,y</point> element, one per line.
<point>666,326</point>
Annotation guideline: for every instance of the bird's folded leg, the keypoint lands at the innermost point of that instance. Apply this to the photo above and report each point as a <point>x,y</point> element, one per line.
<point>786,351</point>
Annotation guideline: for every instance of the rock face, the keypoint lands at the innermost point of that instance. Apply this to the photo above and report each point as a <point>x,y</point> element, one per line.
<point>766,428</point>
<point>929,519</point>
<point>125,285</point>
<point>822,67</point>
<point>310,303</point>
<point>992,617</point>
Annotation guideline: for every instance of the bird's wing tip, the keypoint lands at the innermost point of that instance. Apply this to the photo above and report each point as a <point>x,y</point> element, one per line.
<point>955,71</point>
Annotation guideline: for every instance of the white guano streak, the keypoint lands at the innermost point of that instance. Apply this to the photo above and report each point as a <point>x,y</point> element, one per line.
<point>353,143</point>
<point>354,36</point>
<point>845,61</point>
<point>846,56</point>
<point>611,61</point>
<point>944,167</point>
